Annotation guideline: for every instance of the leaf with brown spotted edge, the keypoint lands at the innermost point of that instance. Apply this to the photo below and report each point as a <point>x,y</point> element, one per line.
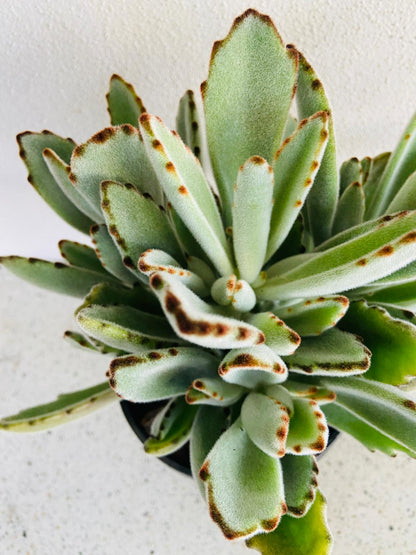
<point>314,316</point>
<point>113,154</point>
<point>295,166</point>
<point>123,104</point>
<point>81,256</point>
<point>136,224</point>
<point>321,395</point>
<point>174,428</point>
<point>109,255</point>
<point>300,482</point>
<point>334,353</point>
<point>252,367</point>
<point>32,145</point>
<point>357,262</point>
<point>188,123</point>
<point>244,486</point>
<point>67,407</point>
<point>198,322</point>
<point>308,535</point>
<point>185,185</point>
<point>209,423</point>
<point>308,431</point>
<point>346,421</point>
<point>350,172</point>
<point>90,344</point>
<point>156,260</point>
<point>279,337</point>
<point>237,293</point>
<point>383,406</point>
<point>125,328</point>
<point>392,342</point>
<point>266,421</point>
<point>55,276</point>
<point>377,167</point>
<point>213,391</point>
<point>160,374</point>
<point>350,208</point>
<point>246,104</point>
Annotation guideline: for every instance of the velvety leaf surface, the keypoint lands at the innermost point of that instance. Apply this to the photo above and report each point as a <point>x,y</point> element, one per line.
<point>355,263</point>
<point>308,432</point>
<point>334,353</point>
<point>55,276</point>
<point>405,199</point>
<point>235,471</point>
<point>349,173</point>
<point>323,197</point>
<point>125,328</point>
<point>90,343</point>
<point>314,316</point>
<point>377,168</point>
<point>67,407</point>
<point>350,208</point>
<point>213,391</point>
<point>188,123</point>
<point>309,535</point>
<point>266,422</point>
<point>196,321</point>
<point>175,429</point>
<point>185,186</point>
<point>342,419</point>
<point>295,167</point>
<point>113,154</point>
<point>391,341</point>
<point>239,122</point>
<point>31,147</point>
<point>252,367</point>
<point>300,481</point>
<point>279,337</point>
<point>403,295</point>
<point>251,210</point>
<point>400,165</point>
<point>160,374</point>
<point>136,223</point>
<point>109,255</point>
<point>123,104</point>
<point>81,256</point>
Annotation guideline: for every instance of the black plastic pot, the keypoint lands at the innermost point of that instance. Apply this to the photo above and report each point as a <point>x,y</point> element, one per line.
<point>140,416</point>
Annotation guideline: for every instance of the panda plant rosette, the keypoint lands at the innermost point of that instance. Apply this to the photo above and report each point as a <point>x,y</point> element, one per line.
<point>261,304</point>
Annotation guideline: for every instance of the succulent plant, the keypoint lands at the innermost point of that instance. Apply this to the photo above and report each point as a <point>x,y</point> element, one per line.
<point>263,300</point>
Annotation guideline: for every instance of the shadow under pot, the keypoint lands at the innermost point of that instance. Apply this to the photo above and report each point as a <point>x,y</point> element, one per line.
<point>140,417</point>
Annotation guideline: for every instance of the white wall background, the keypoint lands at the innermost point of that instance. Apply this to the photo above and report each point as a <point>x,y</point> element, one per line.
<point>57,57</point>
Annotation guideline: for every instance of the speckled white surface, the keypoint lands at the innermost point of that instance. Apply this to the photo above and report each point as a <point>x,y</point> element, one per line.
<point>88,488</point>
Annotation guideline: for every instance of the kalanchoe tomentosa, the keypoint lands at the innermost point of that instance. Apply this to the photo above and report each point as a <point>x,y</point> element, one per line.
<point>238,302</point>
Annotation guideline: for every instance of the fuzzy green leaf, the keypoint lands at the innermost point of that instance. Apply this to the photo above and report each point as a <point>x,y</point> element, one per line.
<point>350,208</point>
<point>126,328</point>
<point>123,104</point>
<point>350,172</point>
<point>90,343</point>
<point>353,264</point>
<point>391,341</point>
<point>323,197</point>
<point>314,316</point>
<point>279,337</point>
<point>308,535</point>
<point>236,471</point>
<point>213,391</point>
<point>266,422</point>
<point>405,199</point>
<point>400,165</point>
<point>198,322</point>
<point>113,154</point>
<point>300,481</point>
<point>174,430</point>
<point>252,367</point>
<point>334,353</point>
<point>346,421</point>
<point>55,276</point>
<point>109,255</point>
<point>185,186</point>
<point>188,124</point>
<point>240,122</point>
<point>136,223</point>
<point>160,374</point>
<point>32,146</point>
<point>81,256</point>
<point>251,211</point>
<point>403,295</point>
<point>308,431</point>
<point>377,167</point>
<point>67,407</point>
<point>296,165</point>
